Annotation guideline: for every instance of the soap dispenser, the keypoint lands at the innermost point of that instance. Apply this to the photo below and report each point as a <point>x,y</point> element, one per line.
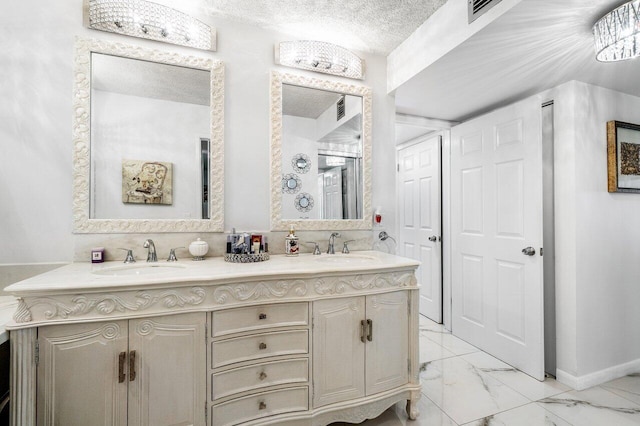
<point>291,243</point>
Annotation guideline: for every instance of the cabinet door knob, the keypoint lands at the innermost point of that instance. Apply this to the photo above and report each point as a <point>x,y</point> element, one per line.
<point>263,375</point>
<point>262,316</point>
<point>262,405</point>
<point>262,346</point>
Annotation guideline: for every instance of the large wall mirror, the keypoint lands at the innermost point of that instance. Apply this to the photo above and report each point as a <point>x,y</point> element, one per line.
<point>148,140</point>
<point>320,154</point>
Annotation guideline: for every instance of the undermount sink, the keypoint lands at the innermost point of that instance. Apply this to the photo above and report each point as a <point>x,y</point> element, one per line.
<point>138,269</point>
<point>345,259</point>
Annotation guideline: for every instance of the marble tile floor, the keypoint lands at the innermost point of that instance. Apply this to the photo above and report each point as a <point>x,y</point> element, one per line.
<point>461,385</point>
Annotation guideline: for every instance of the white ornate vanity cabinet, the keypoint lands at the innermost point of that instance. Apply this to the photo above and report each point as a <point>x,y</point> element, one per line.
<point>292,341</point>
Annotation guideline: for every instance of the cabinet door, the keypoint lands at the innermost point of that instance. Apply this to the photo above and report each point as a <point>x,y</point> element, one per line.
<point>78,375</point>
<point>387,352</point>
<point>338,352</point>
<point>170,364</point>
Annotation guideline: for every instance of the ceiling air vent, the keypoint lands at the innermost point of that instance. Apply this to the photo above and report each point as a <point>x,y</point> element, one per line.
<point>479,7</point>
<point>340,106</point>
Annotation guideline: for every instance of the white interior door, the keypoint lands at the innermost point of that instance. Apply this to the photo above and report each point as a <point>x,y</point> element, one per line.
<point>332,193</point>
<point>419,192</point>
<point>496,214</point>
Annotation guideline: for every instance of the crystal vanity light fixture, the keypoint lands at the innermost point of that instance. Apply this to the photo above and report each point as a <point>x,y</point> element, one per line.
<point>143,19</point>
<point>320,57</point>
<point>617,34</point>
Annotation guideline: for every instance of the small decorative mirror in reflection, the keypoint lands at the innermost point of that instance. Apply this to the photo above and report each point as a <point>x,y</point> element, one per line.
<point>291,183</point>
<point>301,163</point>
<point>320,130</point>
<point>304,202</point>
<point>148,140</point>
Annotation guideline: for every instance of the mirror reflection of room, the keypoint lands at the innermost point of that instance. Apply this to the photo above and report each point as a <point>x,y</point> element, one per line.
<point>321,154</point>
<point>147,114</point>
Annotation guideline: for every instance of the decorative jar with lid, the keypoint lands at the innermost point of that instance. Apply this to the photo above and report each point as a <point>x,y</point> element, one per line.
<point>198,249</point>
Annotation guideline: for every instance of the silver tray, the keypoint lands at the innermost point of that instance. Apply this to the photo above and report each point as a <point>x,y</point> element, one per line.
<point>246,257</point>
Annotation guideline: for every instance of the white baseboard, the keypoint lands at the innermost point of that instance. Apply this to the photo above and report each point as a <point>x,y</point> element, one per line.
<point>598,377</point>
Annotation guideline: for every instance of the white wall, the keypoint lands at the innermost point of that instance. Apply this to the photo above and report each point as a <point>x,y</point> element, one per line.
<point>35,132</point>
<point>597,241</point>
<point>299,137</point>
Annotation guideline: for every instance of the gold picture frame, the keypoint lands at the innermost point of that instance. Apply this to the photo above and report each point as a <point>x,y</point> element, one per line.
<point>623,157</point>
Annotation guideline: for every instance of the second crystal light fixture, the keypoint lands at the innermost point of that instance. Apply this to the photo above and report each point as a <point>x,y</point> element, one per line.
<point>321,57</point>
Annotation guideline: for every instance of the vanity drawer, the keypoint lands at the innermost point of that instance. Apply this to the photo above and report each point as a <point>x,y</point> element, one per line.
<point>294,371</point>
<point>229,351</point>
<point>259,317</point>
<point>265,404</point>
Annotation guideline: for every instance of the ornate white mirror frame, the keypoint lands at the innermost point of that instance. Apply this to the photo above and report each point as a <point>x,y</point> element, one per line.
<point>277,222</point>
<point>82,223</point>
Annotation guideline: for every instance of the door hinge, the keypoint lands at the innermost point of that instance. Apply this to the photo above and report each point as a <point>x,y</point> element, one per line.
<point>541,252</point>
<point>409,365</point>
<point>398,167</point>
<point>206,331</point>
<point>36,353</point>
<point>206,412</point>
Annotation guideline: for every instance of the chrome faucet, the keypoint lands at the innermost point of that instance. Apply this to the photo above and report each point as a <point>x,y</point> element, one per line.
<point>151,256</point>
<point>330,249</point>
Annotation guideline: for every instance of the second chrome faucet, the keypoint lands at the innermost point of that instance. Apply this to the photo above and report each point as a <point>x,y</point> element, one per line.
<point>151,254</point>
<point>331,249</point>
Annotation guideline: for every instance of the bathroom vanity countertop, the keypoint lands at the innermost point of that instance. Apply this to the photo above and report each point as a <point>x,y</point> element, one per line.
<point>90,277</point>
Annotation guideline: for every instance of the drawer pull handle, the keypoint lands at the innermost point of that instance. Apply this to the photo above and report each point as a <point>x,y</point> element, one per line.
<point>363,331</point>
<point>370,330</point>
<point>121,359</point>
<point>262,316</point>
<point>262,405</point>
<point>263,375</point>
<point>262,346</point>
<point>132,366</point>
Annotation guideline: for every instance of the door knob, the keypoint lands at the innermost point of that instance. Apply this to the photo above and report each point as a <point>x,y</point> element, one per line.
<point>433,238</point>
<point>528,251</point>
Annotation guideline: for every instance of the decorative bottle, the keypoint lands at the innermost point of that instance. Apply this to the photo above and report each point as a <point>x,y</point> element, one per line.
<point>291,243</point>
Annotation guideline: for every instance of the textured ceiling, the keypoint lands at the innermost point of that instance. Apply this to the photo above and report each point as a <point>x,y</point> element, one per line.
<point>375,26</point>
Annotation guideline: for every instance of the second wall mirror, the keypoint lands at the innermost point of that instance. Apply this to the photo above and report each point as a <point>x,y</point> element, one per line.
<point>321,133</point>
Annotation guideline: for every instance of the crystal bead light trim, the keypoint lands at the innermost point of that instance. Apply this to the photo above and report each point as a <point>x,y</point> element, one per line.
<point>617,34</point>
<point>143,19</point>
<point>320,57</point>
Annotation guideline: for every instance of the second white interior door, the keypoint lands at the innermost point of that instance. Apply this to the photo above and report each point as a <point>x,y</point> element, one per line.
<point>419,192</point>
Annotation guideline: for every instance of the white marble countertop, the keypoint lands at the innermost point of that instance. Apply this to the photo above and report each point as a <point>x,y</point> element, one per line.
<point>97,277</point>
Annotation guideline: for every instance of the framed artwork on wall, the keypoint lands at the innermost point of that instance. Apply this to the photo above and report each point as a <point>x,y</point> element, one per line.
<point>623,156</point>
